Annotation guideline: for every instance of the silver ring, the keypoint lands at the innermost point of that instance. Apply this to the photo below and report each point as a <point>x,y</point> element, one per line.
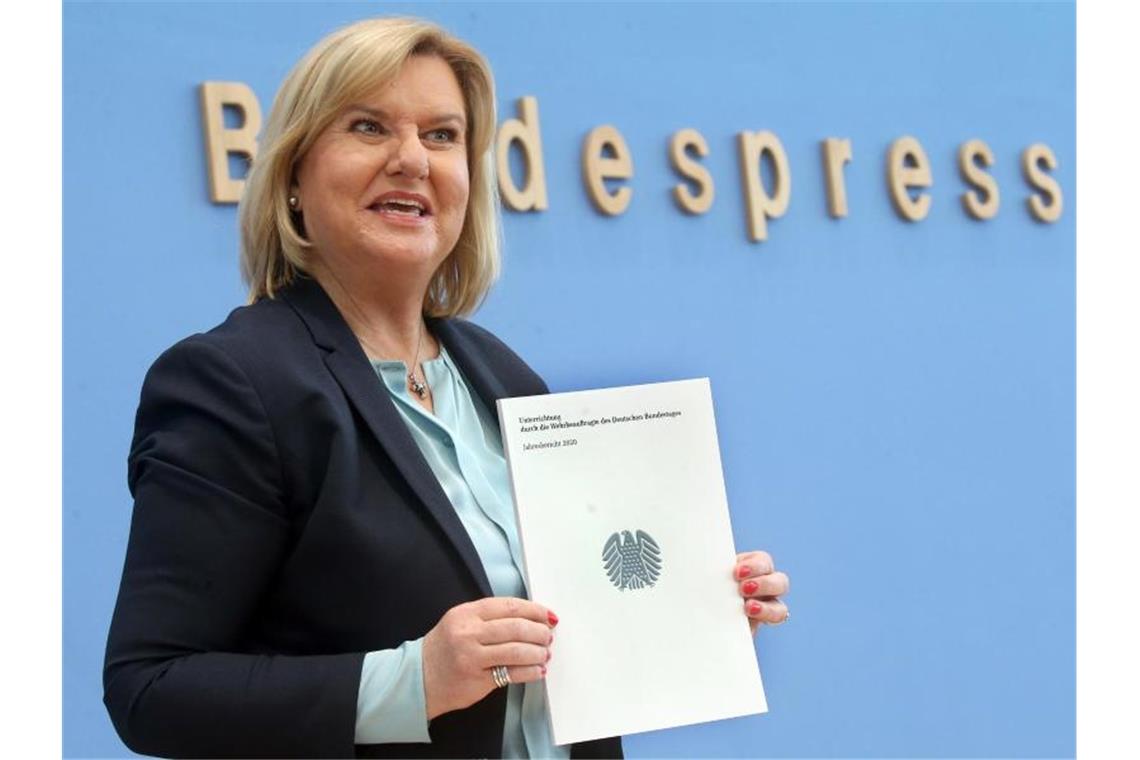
<point>501,676</point>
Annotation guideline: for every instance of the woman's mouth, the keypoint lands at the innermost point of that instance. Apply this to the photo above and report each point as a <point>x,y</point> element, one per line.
<point>401,207</point>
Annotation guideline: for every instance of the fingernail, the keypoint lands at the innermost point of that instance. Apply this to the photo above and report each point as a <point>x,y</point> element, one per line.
<point>548,655</point>
<point>552,618</point>
<point>543,669</point>
<point>754,608</point>
<point>742,571</point>
<point>750,587</point>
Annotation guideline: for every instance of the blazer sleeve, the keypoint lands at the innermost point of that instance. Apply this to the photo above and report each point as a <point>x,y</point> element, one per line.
<point>208,533</point>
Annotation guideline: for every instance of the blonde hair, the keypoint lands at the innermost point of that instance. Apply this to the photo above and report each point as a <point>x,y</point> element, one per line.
<point>341,69</point>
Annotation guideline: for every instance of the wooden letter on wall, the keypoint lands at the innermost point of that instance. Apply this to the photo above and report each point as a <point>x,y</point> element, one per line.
<point>597,168</point>
<point>690,169</point>
<point>526,131</point>
<point>968,156</point>
<point>220,142</point>
<point>907,167</point>
<point>1031,161</point>
<point>761,205</point>
<point>836,153</point>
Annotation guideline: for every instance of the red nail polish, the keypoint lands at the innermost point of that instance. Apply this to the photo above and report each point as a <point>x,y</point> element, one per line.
<point>750,587</point>
<point>548,655</point>
<point>551,618</point>
<point>742,571</point>
<point>754,608</point>
<point>543,669</point>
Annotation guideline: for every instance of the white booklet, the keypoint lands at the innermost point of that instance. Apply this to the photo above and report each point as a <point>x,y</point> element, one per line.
<point>625,534</point>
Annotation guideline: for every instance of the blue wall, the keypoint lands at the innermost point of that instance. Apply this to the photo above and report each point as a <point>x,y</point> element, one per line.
<point>895,401</point>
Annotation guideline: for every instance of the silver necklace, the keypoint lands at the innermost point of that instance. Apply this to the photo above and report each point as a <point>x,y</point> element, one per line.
<point>418,388</point>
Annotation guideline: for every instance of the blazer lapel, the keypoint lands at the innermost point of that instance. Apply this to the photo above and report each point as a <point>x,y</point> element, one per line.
<point>348,363</point>
<point>474,367</point>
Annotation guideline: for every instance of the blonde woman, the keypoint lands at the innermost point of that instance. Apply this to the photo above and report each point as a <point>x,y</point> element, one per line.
<point>323,559</point>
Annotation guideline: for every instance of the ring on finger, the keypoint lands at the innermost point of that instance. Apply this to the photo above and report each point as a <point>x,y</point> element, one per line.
<point>501,676</point>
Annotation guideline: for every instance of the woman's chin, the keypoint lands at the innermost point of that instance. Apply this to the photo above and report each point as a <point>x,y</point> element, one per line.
<point>411,256</point>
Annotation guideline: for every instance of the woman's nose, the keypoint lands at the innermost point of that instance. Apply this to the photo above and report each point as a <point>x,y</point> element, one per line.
<point>409,157</point>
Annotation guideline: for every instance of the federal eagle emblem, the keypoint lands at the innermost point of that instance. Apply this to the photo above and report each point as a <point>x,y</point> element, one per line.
<point>632,562</point>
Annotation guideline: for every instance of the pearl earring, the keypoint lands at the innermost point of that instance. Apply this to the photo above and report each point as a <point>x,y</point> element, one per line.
<point>294,202</point>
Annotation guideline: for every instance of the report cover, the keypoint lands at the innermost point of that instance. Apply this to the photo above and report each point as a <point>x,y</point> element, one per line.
<point>625,534</point>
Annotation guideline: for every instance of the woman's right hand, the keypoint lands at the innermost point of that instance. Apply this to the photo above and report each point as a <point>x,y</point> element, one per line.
<point>474,637</point>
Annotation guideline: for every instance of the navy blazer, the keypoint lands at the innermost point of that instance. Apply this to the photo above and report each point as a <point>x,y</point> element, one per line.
<point>285,523</point>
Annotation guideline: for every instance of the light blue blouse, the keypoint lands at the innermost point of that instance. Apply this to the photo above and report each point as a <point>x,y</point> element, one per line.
<point>461,444</point>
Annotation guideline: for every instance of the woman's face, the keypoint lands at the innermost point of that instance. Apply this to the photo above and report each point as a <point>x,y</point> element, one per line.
<point>384,188</point>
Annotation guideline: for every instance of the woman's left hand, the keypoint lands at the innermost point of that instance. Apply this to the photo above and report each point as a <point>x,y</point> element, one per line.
<point>761,586</point>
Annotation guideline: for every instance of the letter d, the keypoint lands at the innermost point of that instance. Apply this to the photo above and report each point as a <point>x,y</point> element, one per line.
<point>525,130</point>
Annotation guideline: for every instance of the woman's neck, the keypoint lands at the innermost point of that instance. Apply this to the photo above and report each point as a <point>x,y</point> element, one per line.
<point>388,321</point>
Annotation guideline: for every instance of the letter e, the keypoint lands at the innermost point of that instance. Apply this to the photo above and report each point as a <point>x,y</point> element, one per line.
<point>901,176</point>
<point>596,168</point>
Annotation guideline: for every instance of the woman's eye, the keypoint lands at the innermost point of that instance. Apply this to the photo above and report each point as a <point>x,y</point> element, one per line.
<point>441,135</point>
<point>366,126</point>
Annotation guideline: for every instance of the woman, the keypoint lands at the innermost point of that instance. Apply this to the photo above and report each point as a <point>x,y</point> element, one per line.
<point>318,562</point>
